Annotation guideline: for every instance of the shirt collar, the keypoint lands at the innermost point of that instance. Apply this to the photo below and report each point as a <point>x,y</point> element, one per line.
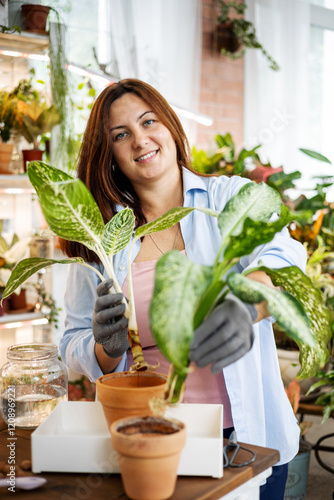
<point>193,181</point>
<point>190,181</point>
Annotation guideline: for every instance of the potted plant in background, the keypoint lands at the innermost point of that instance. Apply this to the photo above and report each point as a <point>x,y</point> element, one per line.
<point>46,20</point>
<point>9,122</point>
<point>296,485</point>
<point>10,255</point>
<point>36,118</point>
<point>326,398</point>
<point>34,18</point>
<point>233,35</point>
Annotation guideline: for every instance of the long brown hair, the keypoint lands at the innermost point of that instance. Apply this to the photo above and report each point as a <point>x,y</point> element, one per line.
<point>97,167</point>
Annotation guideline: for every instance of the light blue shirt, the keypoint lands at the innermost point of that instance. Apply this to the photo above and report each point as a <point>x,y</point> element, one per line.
<point>262,414</point>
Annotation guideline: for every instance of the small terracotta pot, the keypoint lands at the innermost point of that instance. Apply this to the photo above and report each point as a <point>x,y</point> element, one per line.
<point>34,18</point>
<point>4,306</point>
<point>30,155</point>
<point>148,451</point>
<point>127,394</point>
<point>5,157</point>
<point>18,301</point>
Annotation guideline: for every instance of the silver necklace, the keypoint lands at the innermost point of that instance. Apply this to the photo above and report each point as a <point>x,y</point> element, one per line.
<point>156,244</point>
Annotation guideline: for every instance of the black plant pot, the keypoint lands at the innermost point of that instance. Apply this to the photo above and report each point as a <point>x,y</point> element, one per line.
<point>224,38</point>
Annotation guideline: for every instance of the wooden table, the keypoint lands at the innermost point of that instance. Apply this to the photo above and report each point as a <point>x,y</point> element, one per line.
<point>101,486</point>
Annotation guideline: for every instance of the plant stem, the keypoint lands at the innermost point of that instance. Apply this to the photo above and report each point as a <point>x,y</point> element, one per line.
<point>176,386</point>
<point>111,274</point>
<point>134,339</point>
<point>102,278</point>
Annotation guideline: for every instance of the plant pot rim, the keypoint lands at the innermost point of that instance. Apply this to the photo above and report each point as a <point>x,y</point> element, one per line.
<point>226,25</point>
<point>102,381</point>
<point>35,6</point>
<point>288,353</point>
<point>148,421</point>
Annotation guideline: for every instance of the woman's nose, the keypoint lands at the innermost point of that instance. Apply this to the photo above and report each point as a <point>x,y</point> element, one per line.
<point>140,138</point>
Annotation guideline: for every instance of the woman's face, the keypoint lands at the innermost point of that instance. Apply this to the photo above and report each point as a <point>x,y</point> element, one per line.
<point>143,147</point>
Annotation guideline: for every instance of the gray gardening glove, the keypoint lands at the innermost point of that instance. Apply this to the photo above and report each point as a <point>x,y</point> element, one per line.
<point>225,336</point>
<point>109,324</point>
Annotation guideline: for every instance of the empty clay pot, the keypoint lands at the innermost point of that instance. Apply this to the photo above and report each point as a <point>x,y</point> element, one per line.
<point>34,18</point>
<point>148,451</point>
<point>127,394</point>
<point>30,155</point>
<point>5,157</point>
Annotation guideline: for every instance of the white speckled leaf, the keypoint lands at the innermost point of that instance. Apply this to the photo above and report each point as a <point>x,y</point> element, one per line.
<point>168,219</point>
<point>27,268</point>
<point>178,285</point>
<point>294,281</point>
<point>286,310</point>
<point>255,201</point>
<point>72,212</point>
<point>255,233</point>
<point>41,173</point>
<point>118,231</point>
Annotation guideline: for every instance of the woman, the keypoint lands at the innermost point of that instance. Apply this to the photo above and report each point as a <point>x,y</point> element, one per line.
<point>135,153</point>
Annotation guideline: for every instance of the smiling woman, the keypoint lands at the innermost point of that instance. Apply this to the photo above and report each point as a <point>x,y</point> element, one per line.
<point>135,154</point>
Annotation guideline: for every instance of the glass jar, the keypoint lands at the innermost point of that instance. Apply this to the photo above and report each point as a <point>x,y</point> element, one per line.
<point>32,383</point>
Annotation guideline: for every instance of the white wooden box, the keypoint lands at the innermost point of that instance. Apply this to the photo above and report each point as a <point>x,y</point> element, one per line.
<point>75,438</point>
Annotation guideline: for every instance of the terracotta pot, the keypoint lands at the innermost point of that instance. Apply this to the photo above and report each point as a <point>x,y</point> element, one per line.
<point>4,306</point>
<point>17,301</point>
<point>30,155</point>
<point>127,394</point>
<point>34,18</point>
<point>5,157</point>
<point>149,451</point>
<point>224,38</point>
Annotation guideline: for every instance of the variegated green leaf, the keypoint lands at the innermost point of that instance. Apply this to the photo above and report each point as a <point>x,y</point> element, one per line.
<point>254,201</point>
<point>72,212</point>
<point>294,281</point>
<point>168,219</point>
<point>3,245</point>
<point>255,233</point>
<point>17,251</point>
<point>178,285</point>
<point>41,173</point>
<point>118,231</point>
<point>27,268</point>
<point>286,310</point>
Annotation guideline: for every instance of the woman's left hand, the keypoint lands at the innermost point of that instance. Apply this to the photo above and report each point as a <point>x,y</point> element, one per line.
<point>225,336</point>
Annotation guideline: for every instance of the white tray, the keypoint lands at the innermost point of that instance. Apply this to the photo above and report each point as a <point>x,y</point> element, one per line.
<point>75,438</point>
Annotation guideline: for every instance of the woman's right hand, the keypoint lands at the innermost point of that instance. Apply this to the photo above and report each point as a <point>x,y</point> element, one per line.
<point>109,324</point>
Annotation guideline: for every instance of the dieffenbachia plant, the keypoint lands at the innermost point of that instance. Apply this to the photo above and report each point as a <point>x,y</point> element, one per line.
<point>185,292</point>
<point>72,214</point>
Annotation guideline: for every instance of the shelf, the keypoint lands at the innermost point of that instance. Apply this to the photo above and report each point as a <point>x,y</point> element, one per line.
<point>26,42</point>
<point>15,184</point>
<point>24,319</point>
<point>15,52</point>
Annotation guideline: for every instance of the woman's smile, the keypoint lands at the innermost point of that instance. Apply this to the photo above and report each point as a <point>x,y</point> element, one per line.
<point>147,157</point>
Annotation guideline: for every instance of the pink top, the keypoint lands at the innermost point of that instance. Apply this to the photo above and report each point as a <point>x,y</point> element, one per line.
<point>201,385</point>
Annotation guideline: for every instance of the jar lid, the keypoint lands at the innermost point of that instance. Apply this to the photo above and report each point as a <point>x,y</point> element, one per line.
<point>33,351</point>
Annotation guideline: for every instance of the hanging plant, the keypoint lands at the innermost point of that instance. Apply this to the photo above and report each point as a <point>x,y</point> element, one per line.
<point>59,83</point>
<point>233,36</point>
